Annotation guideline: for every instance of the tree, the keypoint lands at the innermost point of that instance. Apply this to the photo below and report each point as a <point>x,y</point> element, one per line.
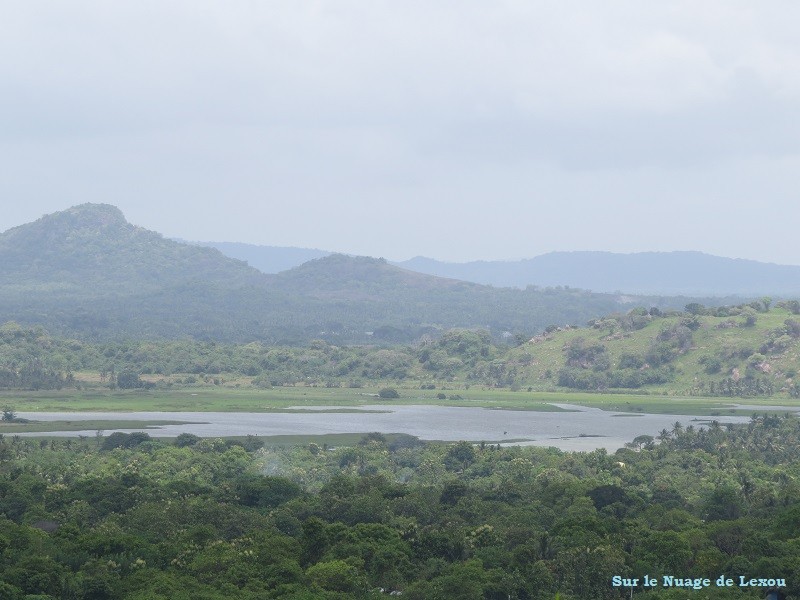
<point>641,441</point>
<point>793,306</point>
<point>695,308</point>
<point>337,576</point>
<point>460,456</point>
<point>128,380</point>
<point>186,439</point>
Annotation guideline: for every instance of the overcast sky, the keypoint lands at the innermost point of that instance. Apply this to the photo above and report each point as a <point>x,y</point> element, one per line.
<point>458,130</point>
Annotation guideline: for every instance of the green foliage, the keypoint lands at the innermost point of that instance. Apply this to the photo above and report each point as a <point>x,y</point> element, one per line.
<point>265,492</point>
<point>125,440</point>
<point>695,308</point>
<point>158,521</point>
<point>581,354</point>
<point>460,456</point>
<point>186,439</point>
<point>129,380</point>
<point>337,576</point>
<point>666,353</point>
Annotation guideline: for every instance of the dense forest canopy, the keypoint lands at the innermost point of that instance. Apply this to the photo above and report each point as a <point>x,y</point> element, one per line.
<point>124,516</point>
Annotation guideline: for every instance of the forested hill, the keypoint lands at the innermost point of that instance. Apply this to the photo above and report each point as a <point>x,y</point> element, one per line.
<point>92,249</point>
<point>353,277</point>
<point>398,305</point>
<point>692,273</point>
<point>86,272</point>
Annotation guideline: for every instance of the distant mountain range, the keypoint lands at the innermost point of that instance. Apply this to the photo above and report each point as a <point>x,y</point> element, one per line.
<point>87,272</point>
<point>667,273</point>
<point>648,273</point>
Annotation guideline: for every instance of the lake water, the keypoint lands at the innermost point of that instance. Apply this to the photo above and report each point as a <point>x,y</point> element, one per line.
<point>581,429</point>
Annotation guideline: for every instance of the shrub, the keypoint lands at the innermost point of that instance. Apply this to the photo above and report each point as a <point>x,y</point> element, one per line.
<point>128,380</point>
<point>186,439</point>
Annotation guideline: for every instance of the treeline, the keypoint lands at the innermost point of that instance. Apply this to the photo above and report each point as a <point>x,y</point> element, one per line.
<point>455,353</point>
<point>130,517</point>
<point>199,310</point>
<point>736,351</point>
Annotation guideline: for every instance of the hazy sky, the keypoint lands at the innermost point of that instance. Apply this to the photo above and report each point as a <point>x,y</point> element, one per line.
<point>453,129</point>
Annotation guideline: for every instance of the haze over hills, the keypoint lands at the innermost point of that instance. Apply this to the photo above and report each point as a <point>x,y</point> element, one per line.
<point>267,259</point>
<point>648,273</point>
<point>87,272</point>
<point>670,273</point>
<point>91,249</point>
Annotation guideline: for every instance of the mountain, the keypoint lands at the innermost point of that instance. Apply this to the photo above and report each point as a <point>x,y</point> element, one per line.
<point>88,273</point>
<point>92,250</point>
<point>352,277</point>
<point>267,259</point>
<point>661,273</point>
<point>383,298</point>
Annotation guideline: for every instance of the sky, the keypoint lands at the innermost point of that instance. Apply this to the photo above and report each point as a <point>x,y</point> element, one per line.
<point>455,130</point>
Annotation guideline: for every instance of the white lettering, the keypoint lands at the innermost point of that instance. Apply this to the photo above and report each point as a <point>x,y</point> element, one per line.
<point>761,582</point>
<point>697,584</point>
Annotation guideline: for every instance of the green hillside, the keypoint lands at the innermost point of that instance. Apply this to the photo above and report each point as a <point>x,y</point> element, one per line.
<point>748,350</point>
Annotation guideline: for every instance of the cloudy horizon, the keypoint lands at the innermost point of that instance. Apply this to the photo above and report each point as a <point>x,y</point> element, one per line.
<point>458,131</point>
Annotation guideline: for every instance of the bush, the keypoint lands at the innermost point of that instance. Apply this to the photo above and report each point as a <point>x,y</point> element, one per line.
<point>128,380</point>
<point>388,393</point>
<point>125,440</point>
<point>264,491</point>
<point>262,382</point>
<point>115,440</point>
<point>630,361</point>
<point>186,439</point>
<point>712,365</point>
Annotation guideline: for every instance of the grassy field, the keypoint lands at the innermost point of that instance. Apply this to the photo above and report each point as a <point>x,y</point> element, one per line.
<point>221,399</point>
<point>89,425</point>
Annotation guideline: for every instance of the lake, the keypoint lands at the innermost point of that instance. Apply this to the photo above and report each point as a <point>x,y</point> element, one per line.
<point>579,429</point>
